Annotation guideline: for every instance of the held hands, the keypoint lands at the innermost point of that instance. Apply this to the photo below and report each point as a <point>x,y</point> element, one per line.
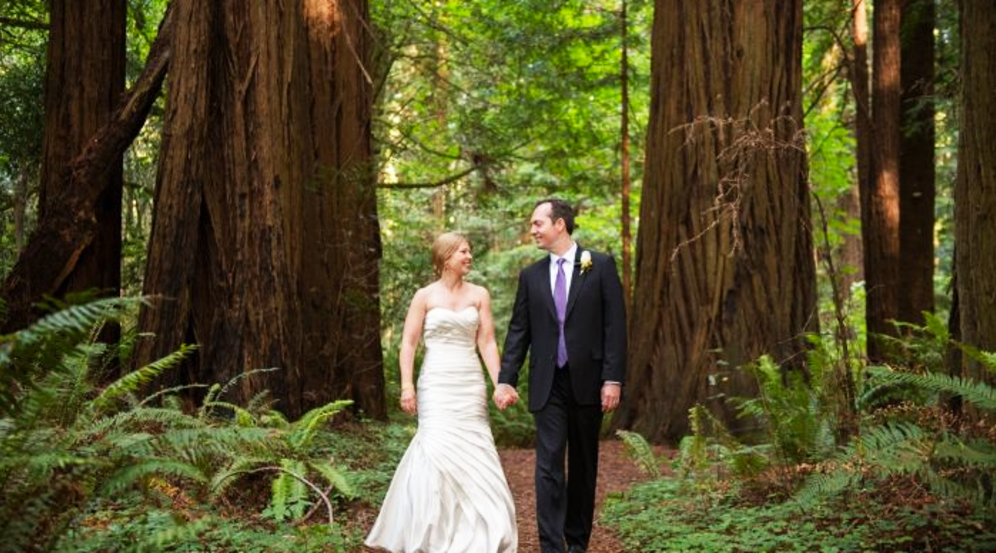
<point>611,392</point>
<point>408,403</point>
<point>505,396</point>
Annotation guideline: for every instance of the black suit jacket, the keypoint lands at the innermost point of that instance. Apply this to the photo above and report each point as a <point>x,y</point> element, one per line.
<point>594,329</point>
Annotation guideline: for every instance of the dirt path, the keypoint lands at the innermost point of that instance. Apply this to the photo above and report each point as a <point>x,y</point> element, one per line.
<point>615,473</point>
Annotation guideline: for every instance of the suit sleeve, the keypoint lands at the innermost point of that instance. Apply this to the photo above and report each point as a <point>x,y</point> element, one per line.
<point>518,337</point>
<point>614,308</point>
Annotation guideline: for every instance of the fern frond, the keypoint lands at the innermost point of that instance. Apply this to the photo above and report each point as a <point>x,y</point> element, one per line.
<point>335,477</point>
<point>259,402</point>
<point>639,450</point>
<point>223,479</point>
<point>303,431</point>
<point>137,418</point>
<point>199,444</point>
<point>831,484</point>
<point>986,358</point>
<point>181,532</point>
<point>133,381</point>
<point>979,455</point>
<point>132,474</point>
<point>40,348</point>
<point>170,391</point>
<point>281,492</point>
<point>242,416</point>
<point>981,394</point>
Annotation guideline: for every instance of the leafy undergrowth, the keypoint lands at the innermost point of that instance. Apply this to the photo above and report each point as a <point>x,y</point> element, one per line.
<point>165,517</point>
<point>897,515</point>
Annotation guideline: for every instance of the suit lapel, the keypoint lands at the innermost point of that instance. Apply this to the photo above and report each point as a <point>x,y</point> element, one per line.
<point>544,282</point>
<point>577,281</point>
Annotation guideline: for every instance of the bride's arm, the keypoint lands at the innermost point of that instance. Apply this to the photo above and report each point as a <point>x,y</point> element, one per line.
<point>409,343</point>
<point>486,337</point>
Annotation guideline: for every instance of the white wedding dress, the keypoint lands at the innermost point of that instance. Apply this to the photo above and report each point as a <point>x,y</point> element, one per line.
<point>449,493</point>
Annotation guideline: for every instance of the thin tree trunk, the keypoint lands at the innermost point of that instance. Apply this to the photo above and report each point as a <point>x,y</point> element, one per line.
<point>916,162</point>
<point>265,240</point>
<point>85,78</point>
<point>725,269</point>
<point>627,233</point>
<point>20,208</point>
<point>975,192</point>
<point>852,251</point>
<point>68,227</point>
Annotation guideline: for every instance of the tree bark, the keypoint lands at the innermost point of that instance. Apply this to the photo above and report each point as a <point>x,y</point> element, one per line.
<point>916,162</point>
<point>84,80</point>
<point>725,270</point>
<point>265,240</point>
<point>20,204</point>
<point>627,233</point>
<point>880,228</point>
<point>68,226</point>
<point>852,251</point>
<point>975,189</point>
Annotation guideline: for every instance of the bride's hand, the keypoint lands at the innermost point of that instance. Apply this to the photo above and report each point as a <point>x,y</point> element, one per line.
<point>408,403</point>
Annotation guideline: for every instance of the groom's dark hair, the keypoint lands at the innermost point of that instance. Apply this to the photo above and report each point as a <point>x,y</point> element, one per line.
<point>559,209</point>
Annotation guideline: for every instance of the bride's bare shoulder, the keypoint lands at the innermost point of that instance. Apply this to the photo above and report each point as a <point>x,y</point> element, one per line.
<point>481,294</point>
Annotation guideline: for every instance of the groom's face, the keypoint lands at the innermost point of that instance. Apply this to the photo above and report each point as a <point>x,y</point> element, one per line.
<point>545,232</point>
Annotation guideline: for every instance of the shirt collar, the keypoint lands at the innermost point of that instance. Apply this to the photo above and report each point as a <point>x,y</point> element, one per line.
<point>569,255</point>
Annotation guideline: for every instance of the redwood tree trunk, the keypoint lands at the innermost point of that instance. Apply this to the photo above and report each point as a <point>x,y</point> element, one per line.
<point>265,240</point>
<point>68,226</point>
<point>975,192</point>
<point>725,269</point>
<point>84,79</point>
<point>880,228</point>
<point>916,162</point>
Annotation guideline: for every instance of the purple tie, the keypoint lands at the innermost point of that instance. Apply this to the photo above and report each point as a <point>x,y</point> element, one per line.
<point>560,300</point>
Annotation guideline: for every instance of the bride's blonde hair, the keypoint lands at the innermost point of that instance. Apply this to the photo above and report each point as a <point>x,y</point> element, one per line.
<point>443,248</point>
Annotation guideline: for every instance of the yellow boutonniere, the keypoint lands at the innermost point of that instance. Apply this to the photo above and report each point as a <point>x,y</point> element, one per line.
<point>585,262</point>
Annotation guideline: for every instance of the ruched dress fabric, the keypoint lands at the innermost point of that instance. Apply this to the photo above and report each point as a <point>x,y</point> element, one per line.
<point>449,493</point>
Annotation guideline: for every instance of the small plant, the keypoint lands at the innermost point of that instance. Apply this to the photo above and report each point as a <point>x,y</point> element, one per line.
<point>641,452</point>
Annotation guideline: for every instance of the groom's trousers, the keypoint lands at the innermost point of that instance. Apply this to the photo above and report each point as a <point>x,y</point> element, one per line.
<point>565,503</point>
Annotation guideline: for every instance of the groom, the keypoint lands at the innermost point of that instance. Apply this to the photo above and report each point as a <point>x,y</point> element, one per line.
<point>569,315</point>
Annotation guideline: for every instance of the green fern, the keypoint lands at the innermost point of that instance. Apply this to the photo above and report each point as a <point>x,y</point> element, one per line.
<point>639,450</point>
<point>67,446</point>
<point>303,431</point>
<point>335,477</point>
<point>133,381</point>
<point>40,349</point>
<point>980,394</point>
<point>137,474</point>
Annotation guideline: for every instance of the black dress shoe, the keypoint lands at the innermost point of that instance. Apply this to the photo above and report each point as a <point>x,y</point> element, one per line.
<point>575,549</point>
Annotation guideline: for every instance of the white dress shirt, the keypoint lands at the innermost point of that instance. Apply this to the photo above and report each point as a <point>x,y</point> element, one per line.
<point>568,267</point>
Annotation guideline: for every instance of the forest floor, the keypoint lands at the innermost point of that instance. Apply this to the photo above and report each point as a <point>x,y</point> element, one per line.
<point>616,473</point>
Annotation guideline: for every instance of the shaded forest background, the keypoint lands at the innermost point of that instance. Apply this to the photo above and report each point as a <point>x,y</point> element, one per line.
<point>467,114</point>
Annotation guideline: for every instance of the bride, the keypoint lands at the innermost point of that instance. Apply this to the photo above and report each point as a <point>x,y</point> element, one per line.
<point>449,493</point>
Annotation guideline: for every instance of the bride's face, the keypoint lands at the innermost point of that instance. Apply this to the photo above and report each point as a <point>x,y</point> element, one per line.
<point>461,260</point>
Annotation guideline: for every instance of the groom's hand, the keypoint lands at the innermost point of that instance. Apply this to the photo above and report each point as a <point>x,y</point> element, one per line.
<point>505,396</point>
<point>611,391</point>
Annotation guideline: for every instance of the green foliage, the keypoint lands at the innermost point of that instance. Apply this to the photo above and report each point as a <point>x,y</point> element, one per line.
<point>69,448</point>
<point>641,452</point>
<point>947,459</point>
<point>787,407</point>
<point>658,516</point>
